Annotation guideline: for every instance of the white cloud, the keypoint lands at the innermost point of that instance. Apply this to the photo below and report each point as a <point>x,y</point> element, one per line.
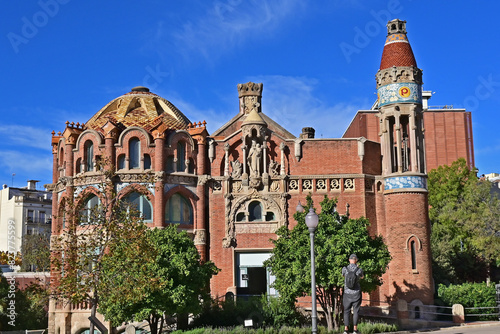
<point>229,23</point>
<point>293,103</point>
<point>23,161</point>
<point>21,135</point>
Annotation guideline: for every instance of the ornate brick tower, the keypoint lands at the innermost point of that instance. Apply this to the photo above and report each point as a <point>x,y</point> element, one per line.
<point>407,229</point>
<point>160,164</point>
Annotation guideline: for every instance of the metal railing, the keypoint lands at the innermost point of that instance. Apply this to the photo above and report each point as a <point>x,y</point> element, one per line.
<point>436,312</point>
<point>496,314</point>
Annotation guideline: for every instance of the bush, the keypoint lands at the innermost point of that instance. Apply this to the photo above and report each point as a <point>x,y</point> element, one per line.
<point>376,327</point>
<point>278,312</point>
<point>363,328</point>
<point>230,313</point>
<point>470,295</point>
<point>265,311</point>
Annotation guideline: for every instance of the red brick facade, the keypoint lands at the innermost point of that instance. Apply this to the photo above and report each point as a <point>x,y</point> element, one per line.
<point>448,134</point>
<point>233,188</point>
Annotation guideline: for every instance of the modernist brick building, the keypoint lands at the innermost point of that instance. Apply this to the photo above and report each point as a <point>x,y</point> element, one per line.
<point>233,188</point>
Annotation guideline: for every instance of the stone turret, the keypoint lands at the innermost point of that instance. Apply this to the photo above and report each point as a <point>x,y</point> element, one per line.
<point>399,90</point>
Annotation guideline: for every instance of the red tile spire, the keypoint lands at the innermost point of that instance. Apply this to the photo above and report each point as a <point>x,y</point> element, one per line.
<point>397,49</point>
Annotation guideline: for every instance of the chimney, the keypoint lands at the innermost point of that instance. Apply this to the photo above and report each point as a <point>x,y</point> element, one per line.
<point>307,133</point>
<point>32,184</point>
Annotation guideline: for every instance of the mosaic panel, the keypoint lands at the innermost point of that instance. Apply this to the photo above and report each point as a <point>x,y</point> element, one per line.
<point>405,182</point>
<point>405,92</point>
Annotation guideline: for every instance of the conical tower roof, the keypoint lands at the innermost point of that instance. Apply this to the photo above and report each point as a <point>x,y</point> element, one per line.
<point>397,49</point>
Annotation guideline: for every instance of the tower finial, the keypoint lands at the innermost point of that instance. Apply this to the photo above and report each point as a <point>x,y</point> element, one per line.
<point>396,26</point>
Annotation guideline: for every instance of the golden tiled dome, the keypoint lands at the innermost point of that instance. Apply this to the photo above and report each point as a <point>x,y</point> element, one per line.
<point>139,108</point>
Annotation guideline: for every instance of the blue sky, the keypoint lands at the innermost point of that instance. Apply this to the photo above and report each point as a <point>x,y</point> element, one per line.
<point>66,59</point>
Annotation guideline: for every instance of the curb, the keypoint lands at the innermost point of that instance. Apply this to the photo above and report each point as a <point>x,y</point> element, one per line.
<point>466,325</point>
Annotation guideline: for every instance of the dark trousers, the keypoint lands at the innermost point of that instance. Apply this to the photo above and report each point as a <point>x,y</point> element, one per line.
<point>354,301</point>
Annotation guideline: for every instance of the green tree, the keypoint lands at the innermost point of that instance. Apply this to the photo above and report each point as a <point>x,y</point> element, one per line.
<point>336,237</point>
<point>465,218</point>
<point>22,309</point>
<point>170,280</point>
<point>35,252</point>
<point>88,234</point>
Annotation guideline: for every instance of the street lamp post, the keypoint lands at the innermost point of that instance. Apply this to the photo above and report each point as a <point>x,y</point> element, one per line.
<point>312,220</point>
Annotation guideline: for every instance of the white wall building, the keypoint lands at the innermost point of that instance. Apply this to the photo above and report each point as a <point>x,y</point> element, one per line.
<point>23,211</point>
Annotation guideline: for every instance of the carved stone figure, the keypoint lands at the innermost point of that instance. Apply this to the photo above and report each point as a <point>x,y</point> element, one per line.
<point>254,156</point>
<point>273,168</point>
<point>237,169</point>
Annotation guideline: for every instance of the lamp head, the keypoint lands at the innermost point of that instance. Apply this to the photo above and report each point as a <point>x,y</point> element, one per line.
<point>299,208</point>
<point>312,219</point>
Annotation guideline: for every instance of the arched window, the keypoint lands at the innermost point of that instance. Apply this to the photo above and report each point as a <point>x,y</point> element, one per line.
<point>413,255</point>
<point>141,203</point>
<point>134,153</point>
<point>61,157</point>
<point>89,212</point>
<point>89,156</point>
<point>181,157</point>
<point>255,211</point>
<point>121,161</point>
<point>178,210</point>
<point>78,166</point>
<point>147,161</point>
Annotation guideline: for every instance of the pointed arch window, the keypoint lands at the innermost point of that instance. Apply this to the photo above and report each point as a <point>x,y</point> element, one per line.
<point>141,203</point>
<point>134,147</point>
<point>178,210</point>
<point>413,249</point>
<point>89,156</point>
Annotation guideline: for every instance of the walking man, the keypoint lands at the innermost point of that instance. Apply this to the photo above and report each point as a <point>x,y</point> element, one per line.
<point>352,292</point>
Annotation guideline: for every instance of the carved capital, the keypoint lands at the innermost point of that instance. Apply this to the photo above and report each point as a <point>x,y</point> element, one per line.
<point>200,237</point>
<point>159,176</point>
<point>203,179</point>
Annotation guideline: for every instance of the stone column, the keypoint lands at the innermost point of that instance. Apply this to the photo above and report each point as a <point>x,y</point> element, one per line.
<point>265,174</point>
<point>413,142</point>
<point>226,158</point>
<point>282,167</point>
<point>201,204</point>
<point>398,143</point>
<point>200,232</point>
<point>386,147</point>
<point>244,176</point>
<point>159,167</point>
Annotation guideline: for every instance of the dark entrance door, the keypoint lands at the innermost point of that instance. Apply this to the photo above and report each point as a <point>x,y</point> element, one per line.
<point>257,280</point>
